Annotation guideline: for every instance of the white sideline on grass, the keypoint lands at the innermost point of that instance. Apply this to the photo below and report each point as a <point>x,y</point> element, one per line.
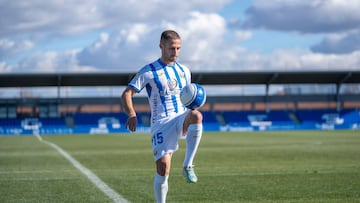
<point>116,197</point>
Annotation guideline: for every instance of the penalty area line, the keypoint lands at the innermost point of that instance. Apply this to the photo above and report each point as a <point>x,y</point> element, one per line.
<point>101,185</point>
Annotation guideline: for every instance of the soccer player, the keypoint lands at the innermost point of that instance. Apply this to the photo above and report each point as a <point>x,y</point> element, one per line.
<point>163,80</point>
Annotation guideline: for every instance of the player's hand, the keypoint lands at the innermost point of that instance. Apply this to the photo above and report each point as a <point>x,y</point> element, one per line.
<point>131,123</point>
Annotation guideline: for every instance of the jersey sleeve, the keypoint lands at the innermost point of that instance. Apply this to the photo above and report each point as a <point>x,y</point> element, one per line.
<point>138,82</point>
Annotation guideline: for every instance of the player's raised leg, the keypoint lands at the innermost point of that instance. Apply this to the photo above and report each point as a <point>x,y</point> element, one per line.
<point>193,128</point>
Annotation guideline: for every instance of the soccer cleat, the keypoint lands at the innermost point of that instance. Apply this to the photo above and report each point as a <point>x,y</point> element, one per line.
<point>189,174</point>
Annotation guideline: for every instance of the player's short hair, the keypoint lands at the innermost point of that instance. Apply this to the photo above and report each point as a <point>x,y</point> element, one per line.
<point>169,35</point>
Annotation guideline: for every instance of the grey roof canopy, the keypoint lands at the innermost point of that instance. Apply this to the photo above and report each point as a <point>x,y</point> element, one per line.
<point>204,78</point>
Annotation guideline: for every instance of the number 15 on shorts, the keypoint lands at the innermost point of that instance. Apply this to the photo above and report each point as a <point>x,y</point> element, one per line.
<point>157,139</point>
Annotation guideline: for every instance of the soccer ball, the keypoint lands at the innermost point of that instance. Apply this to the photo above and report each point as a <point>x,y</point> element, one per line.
<point>193,96</point>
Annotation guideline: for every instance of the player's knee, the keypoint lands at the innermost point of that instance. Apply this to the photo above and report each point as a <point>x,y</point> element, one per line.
<point>196,116</point>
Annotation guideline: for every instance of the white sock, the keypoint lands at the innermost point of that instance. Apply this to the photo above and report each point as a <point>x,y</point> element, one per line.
<point>160,188</point>
<point>193,138</point>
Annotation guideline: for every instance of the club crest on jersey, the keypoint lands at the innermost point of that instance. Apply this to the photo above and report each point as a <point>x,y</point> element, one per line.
<point>172,88</point>
<point>172,84</point>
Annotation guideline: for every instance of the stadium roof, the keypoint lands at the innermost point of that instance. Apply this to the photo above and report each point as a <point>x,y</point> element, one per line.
<point>205,78</point>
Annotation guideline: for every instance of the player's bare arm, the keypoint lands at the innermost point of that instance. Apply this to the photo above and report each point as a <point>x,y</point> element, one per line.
<point>126,98</point>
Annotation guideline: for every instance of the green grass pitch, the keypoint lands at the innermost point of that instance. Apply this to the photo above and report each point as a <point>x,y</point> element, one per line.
<point>294,166</point>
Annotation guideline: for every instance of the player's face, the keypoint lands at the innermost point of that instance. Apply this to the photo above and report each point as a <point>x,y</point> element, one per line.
<point>170,51</point>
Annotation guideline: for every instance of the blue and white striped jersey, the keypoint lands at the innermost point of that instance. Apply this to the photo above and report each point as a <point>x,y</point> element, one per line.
<point>163,84</point>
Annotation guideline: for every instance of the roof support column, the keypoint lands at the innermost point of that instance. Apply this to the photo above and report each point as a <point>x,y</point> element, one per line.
<point>58,96</point>
<point>337,98</point>
<point>267,105</point>
<point>338,86</point>
<point>271,80</point>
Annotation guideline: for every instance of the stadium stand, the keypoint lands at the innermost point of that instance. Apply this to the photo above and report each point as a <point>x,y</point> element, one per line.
<point>211,122</point>
<point>23,116</point>
<point>103,123</point>
<point>291,120</point>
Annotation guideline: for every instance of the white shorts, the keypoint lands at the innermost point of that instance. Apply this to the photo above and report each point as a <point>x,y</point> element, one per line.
<point>165,136</point>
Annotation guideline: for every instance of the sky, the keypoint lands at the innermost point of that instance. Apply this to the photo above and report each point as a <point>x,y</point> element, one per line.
<point>63,36</point>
